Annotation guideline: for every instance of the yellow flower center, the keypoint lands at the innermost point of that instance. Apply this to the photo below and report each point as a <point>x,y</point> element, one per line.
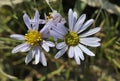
<point>71,39</point>
<point>33,37</point>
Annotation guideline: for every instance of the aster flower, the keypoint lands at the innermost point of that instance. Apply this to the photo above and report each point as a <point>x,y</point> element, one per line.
<point>34,41</point>
<point>75,40</point>
<point>54,22</point>
<point>55,18</point>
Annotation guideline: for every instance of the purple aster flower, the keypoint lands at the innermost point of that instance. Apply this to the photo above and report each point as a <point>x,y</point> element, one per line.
<point>35,41</point>
<point>75,40</point>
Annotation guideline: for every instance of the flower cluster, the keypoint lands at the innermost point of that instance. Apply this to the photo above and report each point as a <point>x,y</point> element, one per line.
<point>74,39</point>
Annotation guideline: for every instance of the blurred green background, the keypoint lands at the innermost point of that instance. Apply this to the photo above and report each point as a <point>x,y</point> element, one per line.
<point>105,66</point>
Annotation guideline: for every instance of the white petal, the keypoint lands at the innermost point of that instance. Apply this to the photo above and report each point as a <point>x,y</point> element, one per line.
<point>86,25</point>
<point>71,52</point>
<point>70,19</point>
<point>42,21</point>
<point>27,21</point>
<point>44,31</point>
<point>61,52</point>
<point>78,52</point>
<point>59,27</point>
<point>29,57</point>
<point>62,28</point>
<point>19,47</point>
<point>36,21</point>
<point>50,44</point>
<point>34,24</point>
<point>54,32</point>
<point>60,45</point>
<point>91,39</point>
<point>37,55</point>
<point>45,46</point>
<point>43,59</point>
<point>77,59</point>
<point>91,32</point>
<point>37,15</point>
<point>56,35</point>
<point>45,16</point>
<point>75,15</point>
<point>45,28</point>
<point>74,19</point>
<point>17,36</point>
<point>80,22</point>
<point>90,43</point>
<point>52,29</point>
<point>25,48</point>
<point>86,50</point>
<point>56,20</point>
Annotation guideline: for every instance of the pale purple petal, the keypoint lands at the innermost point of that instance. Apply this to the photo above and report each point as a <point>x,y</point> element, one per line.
<point>49,30</point>
<point>17,36</point>
<point>77,59</point>
<point>74,19</point>
<point>27,21</point>
<point>35,25</point>
<point>30,56</point>
<point>36,21</point>
<point>58,29</point>
<point>56,20</point>
<point>19,47</point>
<point>61,45</point>
<point>71,52</point>
<point>56,34</point>
<point>86,25</point>
<point>79,52</point>
<point>37,16</point>
<point>63,21</point>
<point>70,19</point>
<point>45,46</point>
<point>37,55</point>
<point>50,44</point>
<point>43,59</point>
<point>61,52</point>
<point>42,21</point>
<point>45,28</point>
<point>92,44</point>
<point>45,31</point>
<point>91,32</point>
<point>62,28</point>
<point>45,16</point>
<point>86,50</point>
<point>80,22</point>
<point>91,39</point>
<point>25,48</point>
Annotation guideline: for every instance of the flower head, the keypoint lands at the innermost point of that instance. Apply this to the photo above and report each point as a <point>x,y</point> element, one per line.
<point>55,17</point>
<point>75,40</point>
<point>54,22</point>
<point>34,41</point>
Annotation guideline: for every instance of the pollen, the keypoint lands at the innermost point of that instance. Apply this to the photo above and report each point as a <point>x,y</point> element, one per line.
<point>71,39</point>
<point>33,37</point>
